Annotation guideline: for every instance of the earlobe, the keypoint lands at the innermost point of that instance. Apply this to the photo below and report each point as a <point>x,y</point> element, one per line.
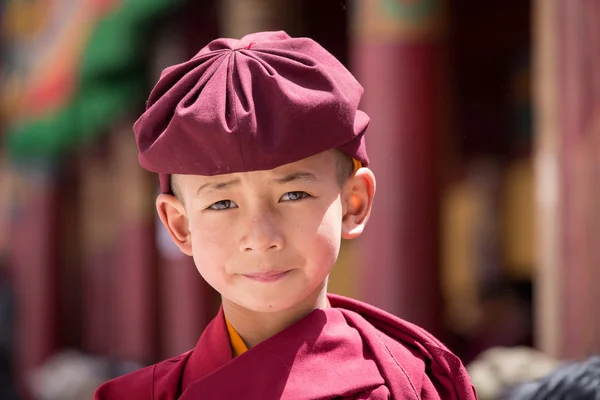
<point>359,192</point>
<point>173,216</point>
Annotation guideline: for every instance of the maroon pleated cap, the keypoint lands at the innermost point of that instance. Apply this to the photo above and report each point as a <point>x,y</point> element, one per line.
<point>251,104</point>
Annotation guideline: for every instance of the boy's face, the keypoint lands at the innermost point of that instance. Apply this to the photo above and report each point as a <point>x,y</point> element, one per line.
<point>267,240</point>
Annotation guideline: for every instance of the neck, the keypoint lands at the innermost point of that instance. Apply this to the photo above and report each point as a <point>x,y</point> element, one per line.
<point>255,327</point>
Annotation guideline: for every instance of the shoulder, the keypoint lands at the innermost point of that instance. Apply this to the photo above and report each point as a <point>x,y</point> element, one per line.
<point>432,368</point>
<point>425,361</point>
<point>389,327</point>
<point>142,384</point>
<point>137,384</point>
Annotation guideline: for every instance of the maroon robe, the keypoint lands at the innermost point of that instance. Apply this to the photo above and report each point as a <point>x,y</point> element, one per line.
<point>351,350</point>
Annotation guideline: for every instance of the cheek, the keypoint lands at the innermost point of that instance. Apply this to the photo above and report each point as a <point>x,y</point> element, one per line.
<point>326,239</point>
<point>330,229</point>
<point>210,251</point>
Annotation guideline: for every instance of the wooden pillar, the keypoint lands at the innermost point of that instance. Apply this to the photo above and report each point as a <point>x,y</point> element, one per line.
<point>241,17</point>
<point>546,156</point>
<point>33,264</point>
<point>134,275</point>
<point>97,241</point>
<point>397,56</point>
<point>567,87</point>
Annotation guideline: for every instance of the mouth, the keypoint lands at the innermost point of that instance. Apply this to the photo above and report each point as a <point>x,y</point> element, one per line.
<point>271,276</point>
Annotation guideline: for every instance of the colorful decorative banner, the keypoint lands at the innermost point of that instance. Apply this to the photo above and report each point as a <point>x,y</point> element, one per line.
<point>70,68</point>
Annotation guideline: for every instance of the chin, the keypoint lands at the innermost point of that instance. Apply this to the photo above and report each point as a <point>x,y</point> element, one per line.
<point>269,306</point>
<point>286,300</point>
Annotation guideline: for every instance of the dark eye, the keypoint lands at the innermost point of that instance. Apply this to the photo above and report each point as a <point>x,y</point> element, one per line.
<point>294,196</point>
<point>222,205</point>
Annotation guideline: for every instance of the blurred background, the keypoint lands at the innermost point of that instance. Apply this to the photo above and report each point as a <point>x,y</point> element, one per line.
<point>485,141</point>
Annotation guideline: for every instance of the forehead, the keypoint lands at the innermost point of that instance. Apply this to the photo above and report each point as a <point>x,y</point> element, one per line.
<point>322,165</point>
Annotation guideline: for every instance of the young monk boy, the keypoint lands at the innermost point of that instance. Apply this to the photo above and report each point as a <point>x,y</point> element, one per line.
<point>260,150</point>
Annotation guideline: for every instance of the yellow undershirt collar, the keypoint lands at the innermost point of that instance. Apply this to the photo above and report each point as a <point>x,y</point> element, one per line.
<point>238,347</point>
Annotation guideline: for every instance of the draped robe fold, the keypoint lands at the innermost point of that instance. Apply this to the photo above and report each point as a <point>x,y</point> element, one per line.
<point>350,350</point>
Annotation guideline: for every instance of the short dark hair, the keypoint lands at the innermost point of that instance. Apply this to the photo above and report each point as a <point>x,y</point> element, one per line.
<point>175,188</point>
<point>344,166</point>
<point>573,381</point>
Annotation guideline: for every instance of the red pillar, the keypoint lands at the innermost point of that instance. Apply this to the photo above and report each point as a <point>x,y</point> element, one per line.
<point>134,273</point>
<point>397,56</point>
<point>579,105</point>
<point>98,226</point>
<point>34,268</point>
<point>567,66</point>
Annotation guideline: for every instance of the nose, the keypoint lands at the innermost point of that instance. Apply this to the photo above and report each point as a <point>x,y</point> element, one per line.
<point>262,234</point>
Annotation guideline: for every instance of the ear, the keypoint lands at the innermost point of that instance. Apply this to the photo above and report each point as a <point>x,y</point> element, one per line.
<point>358,194</point>
<point>173,216</point>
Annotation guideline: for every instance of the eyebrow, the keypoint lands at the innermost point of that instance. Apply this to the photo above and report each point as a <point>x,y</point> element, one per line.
<point>290,178</point>
<point>296,177</point>
<point>218,186</point>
